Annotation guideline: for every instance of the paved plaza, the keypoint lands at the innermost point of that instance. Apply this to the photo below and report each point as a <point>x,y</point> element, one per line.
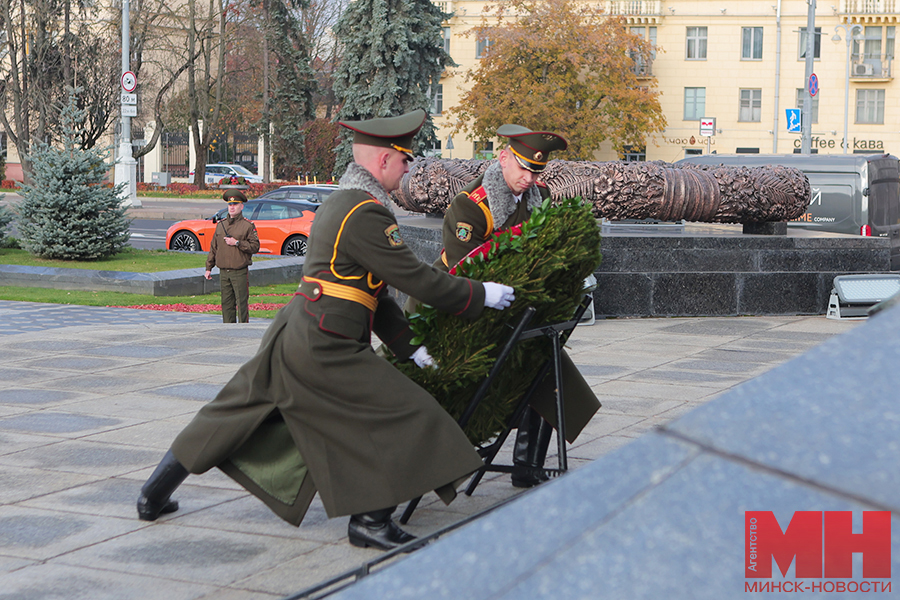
<point>92,398</point>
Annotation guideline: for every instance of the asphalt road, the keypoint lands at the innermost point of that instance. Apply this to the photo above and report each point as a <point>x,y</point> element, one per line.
<point>149,234</point>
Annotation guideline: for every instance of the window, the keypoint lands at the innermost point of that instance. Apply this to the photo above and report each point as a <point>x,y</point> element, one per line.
<point>870,106</point>
<point>641,65</point>
<point>889,43</point>
<point>447,40</point>
<point>649,34</point>
<point>694,103</point>
<point>692,152</point>
<point>751,43</point>
<point>867,49</point>
<point>872,48</point>
<point>634,154</point>
<point>434,151</point>
<point>484,150</point>
<point>481,47</point>
<point>817,44</point>
<point>696,43</point>
<point>277,212</point>
<point>437,102</point>
<point>746,150</point>
<point>301,195</point>
<point>751,105</point>
<point>801,94</point>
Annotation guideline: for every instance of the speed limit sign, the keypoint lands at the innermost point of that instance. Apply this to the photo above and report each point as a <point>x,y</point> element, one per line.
<point>129,81</point>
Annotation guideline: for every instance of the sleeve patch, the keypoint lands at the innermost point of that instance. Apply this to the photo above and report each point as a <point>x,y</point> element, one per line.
<point>393,235</point>
<point>463,231</point>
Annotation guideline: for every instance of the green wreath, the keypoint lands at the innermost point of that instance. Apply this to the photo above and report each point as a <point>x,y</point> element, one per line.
<point>547,263</point>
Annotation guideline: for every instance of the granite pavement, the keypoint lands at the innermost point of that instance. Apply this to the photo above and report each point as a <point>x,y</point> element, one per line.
<point>92,398</point>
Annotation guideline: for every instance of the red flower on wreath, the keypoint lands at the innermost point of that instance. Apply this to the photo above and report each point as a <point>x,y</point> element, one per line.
<point>485,248</point>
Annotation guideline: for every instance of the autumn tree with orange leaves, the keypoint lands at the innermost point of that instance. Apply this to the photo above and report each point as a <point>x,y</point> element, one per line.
<point>562,66</point>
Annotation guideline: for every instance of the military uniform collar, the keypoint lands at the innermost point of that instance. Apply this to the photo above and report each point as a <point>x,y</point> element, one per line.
<point>500,198</point>
<point>357,177</point>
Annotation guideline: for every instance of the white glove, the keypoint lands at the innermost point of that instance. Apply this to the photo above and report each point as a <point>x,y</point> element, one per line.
<point>497,295</point>
<point>422,358</point>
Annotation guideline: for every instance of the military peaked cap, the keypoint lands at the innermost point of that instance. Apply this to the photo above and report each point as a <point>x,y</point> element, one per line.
<point>388,132</point>
<point>233,196</point>
<point>532,148</point>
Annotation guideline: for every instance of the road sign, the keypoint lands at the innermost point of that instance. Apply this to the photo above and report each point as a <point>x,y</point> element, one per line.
<point>129,110</point>
<point>128,98</point>
<point>707,126</point>
<point>793,120</point>
<point>129,81</point>
<point>813,85</point>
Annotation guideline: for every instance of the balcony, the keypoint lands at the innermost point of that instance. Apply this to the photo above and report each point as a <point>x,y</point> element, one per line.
<point>869,8</point>
<point>871,69</point>
<point>643,69</point>
<point>635,11</point>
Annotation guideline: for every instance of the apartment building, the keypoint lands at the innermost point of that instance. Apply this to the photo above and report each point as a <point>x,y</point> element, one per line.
<point>741,62</point>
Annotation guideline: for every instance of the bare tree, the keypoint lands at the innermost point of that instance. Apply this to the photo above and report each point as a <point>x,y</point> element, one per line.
<point>44,52</point>
<point>159,58</point>
<point>319,19</point>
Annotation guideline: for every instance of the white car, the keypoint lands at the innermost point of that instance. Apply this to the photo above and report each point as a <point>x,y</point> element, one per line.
<point>215,173</point>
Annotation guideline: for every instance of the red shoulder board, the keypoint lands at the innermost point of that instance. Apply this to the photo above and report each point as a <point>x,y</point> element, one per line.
<point>540,184</point>
<point>478,195</point>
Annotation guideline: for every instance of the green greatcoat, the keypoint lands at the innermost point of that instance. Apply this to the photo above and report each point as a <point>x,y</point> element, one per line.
<point>467,225</point>
<point>316,409</point>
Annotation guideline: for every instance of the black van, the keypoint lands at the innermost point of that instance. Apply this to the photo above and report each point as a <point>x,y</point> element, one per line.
<point>851,193</point>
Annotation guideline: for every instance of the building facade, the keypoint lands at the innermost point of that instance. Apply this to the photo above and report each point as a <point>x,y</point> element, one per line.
<point>739,62</point>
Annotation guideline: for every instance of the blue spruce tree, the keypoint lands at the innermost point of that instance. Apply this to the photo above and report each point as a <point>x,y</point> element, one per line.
<point>6,218</point>
<point>66,211</point>
<point>392,60</point>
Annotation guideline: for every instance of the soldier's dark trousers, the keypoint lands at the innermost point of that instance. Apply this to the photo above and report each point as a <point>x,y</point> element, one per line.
<point>235,295</point>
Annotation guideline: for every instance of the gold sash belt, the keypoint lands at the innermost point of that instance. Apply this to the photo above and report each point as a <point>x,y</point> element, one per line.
<point>344,292</point>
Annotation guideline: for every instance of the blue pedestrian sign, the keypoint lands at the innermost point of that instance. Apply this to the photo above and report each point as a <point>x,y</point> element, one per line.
<point>793,120</point>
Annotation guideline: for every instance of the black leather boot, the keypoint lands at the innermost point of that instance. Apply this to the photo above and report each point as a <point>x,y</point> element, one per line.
<point>530,450</point>
<point>376,529</point>
<point>154,499</point>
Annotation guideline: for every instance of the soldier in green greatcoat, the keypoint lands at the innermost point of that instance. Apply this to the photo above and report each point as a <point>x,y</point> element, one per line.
<point>317,410</point>
<point>504,196</point>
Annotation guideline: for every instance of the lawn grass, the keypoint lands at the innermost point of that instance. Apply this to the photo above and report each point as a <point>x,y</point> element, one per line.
<point>129,259</point>
<point>137,261</point>
<point>258,295</point>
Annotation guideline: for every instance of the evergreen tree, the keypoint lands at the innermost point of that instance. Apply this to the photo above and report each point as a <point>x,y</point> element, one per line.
<point>291,104</point>
<point>393,52</point>
<point>6,217</point>
<point>66,211</point>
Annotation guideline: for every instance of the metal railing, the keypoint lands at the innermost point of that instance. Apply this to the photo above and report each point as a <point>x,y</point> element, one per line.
<point>871,68</point>
<point>643,68</point>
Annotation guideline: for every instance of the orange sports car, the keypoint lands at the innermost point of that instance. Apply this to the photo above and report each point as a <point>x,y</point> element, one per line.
<point>283,227</point>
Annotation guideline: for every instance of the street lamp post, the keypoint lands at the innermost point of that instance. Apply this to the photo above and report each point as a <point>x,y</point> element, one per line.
<point>848,34</point>
<point>126,167</point>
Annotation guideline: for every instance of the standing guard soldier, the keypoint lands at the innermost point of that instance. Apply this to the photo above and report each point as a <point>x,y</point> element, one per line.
<point>504,196</point>
<point>317,410</point>
<point>232,247</point>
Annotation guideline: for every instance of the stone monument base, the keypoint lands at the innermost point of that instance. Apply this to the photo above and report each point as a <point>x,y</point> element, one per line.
<point>708,269</point>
